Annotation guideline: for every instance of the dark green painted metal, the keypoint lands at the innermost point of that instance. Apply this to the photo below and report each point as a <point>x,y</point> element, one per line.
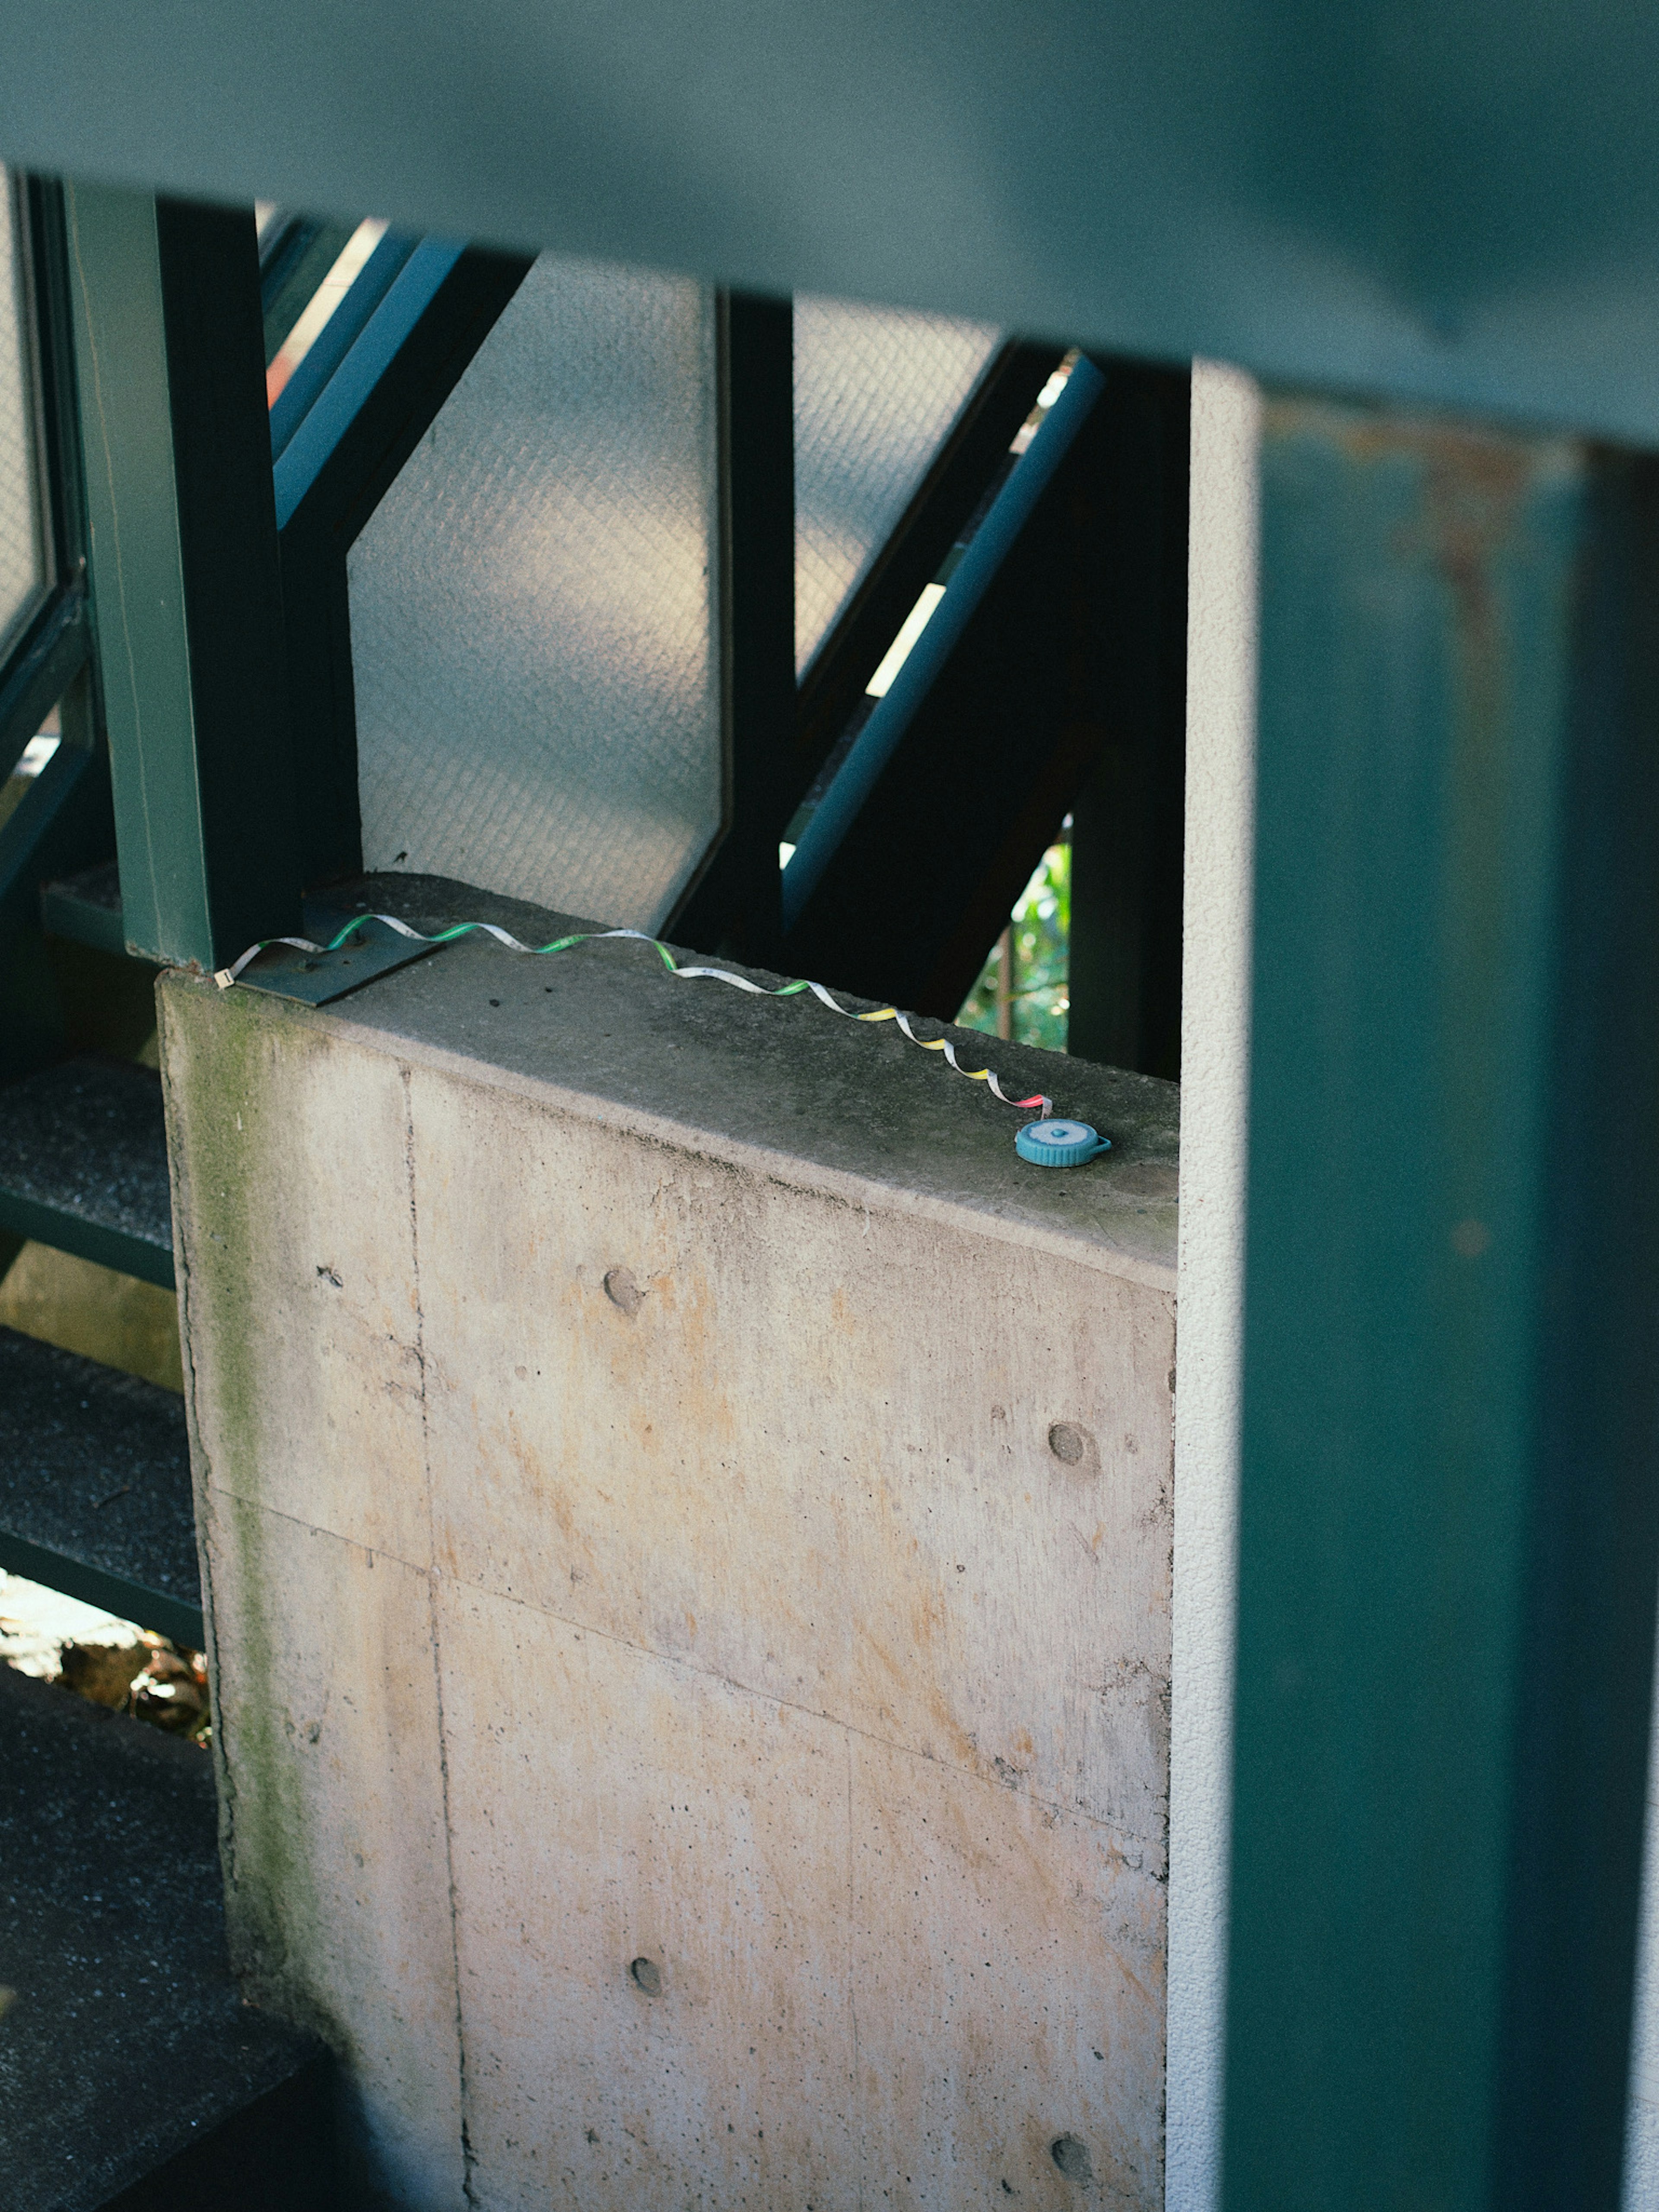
<point>86,907</point>
<point>1456,201</point>
<point>63,823</point>
<point>49,293</point>
<point>734,903</point>
<point>1079,642</point>
<point>291,272</point>
<point>318,979</point>
<point>41,671</point>
<point>972,458</point>
<point>1128,813</point>
<point>64,811</point>
<point>186,592</point>
<point>88,1240</point>
<point>127,1601</point>
<point>1450,1516</point>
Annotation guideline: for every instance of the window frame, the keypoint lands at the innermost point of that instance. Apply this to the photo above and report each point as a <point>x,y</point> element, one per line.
<point>51,645</point>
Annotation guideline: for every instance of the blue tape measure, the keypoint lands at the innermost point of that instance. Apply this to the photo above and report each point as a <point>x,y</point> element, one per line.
<point>1059,1144</point>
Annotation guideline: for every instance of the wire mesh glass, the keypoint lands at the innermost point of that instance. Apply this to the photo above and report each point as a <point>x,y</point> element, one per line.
<point>534,634</point>
<point>23,554</point>
<point>878,392</point>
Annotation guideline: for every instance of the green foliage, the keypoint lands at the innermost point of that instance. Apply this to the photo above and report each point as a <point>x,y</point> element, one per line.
<point>1039,938</point>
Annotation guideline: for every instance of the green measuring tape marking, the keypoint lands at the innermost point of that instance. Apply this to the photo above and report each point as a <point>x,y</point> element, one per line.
<point>226,976</point>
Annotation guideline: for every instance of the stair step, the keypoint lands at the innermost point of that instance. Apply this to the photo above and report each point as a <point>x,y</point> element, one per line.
<point>83,1165</point>
<point>132,2075</point>
<point>86,908</point>
<point>94,1487</point>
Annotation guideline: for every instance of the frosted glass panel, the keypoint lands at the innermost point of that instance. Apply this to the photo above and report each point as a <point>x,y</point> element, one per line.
<point>533,615</point>
<point>877,392</point>
<point>22,561</point>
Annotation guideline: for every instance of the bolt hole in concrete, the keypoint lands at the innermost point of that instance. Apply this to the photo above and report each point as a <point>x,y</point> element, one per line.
<point>1071,2155</point>
<point>649,1975</point>
<point>623,1291</point>
<point>1070,1446</point>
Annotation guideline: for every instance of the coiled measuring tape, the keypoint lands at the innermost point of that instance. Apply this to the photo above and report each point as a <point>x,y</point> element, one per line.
<point>224,977</point>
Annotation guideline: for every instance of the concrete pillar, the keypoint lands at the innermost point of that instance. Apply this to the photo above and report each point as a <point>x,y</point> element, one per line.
<point>1641,2190</point>
<point>1221,644</point>
<point>686,1522</point>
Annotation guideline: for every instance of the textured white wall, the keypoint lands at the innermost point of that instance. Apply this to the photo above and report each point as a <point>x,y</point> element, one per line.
<point>1215,1007</point>
<point>1642,2131</point>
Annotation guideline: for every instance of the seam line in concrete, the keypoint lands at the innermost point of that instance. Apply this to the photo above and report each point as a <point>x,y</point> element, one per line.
<point>322,1528</point>
<point>467,2159</point>
<point>813,1713</point>
<point>201,1464</point>
<point>854,2102</point>
<point>713,1674</point>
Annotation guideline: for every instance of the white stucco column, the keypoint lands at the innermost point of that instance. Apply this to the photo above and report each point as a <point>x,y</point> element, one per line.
<point>1214,1053</point>
<point>1641,2127</point>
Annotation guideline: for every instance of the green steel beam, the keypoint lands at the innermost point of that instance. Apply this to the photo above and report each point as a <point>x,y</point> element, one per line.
<point>735,902</point>
<point>1450,1516</point>
<point>117,1593</point>
<point>1455,201</point>
<point>31,1220</point>
<point>186,592</point>
<point>62,824</point>
<point>42,672</point>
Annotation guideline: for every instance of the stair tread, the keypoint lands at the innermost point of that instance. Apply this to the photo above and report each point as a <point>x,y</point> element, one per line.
<point>99,887</point>
<point>87,1140</point>
<point>127,2040</point>
<point>94,1468</point>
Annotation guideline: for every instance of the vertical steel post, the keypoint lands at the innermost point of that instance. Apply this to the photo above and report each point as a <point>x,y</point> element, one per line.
<point>1128,816</point>
<point>736,902</point>
<point>186,590</point>
<point>1449,1515</point>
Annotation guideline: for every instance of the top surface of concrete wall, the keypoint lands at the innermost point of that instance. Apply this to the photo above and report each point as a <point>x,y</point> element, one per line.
<point>604,1027</point>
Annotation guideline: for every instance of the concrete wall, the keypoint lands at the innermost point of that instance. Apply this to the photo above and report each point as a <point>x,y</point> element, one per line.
<point>675,1489</point>
<point>1214,1065</point>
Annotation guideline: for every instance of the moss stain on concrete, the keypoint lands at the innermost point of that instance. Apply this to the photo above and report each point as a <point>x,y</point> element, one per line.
<point>217,1074</point>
